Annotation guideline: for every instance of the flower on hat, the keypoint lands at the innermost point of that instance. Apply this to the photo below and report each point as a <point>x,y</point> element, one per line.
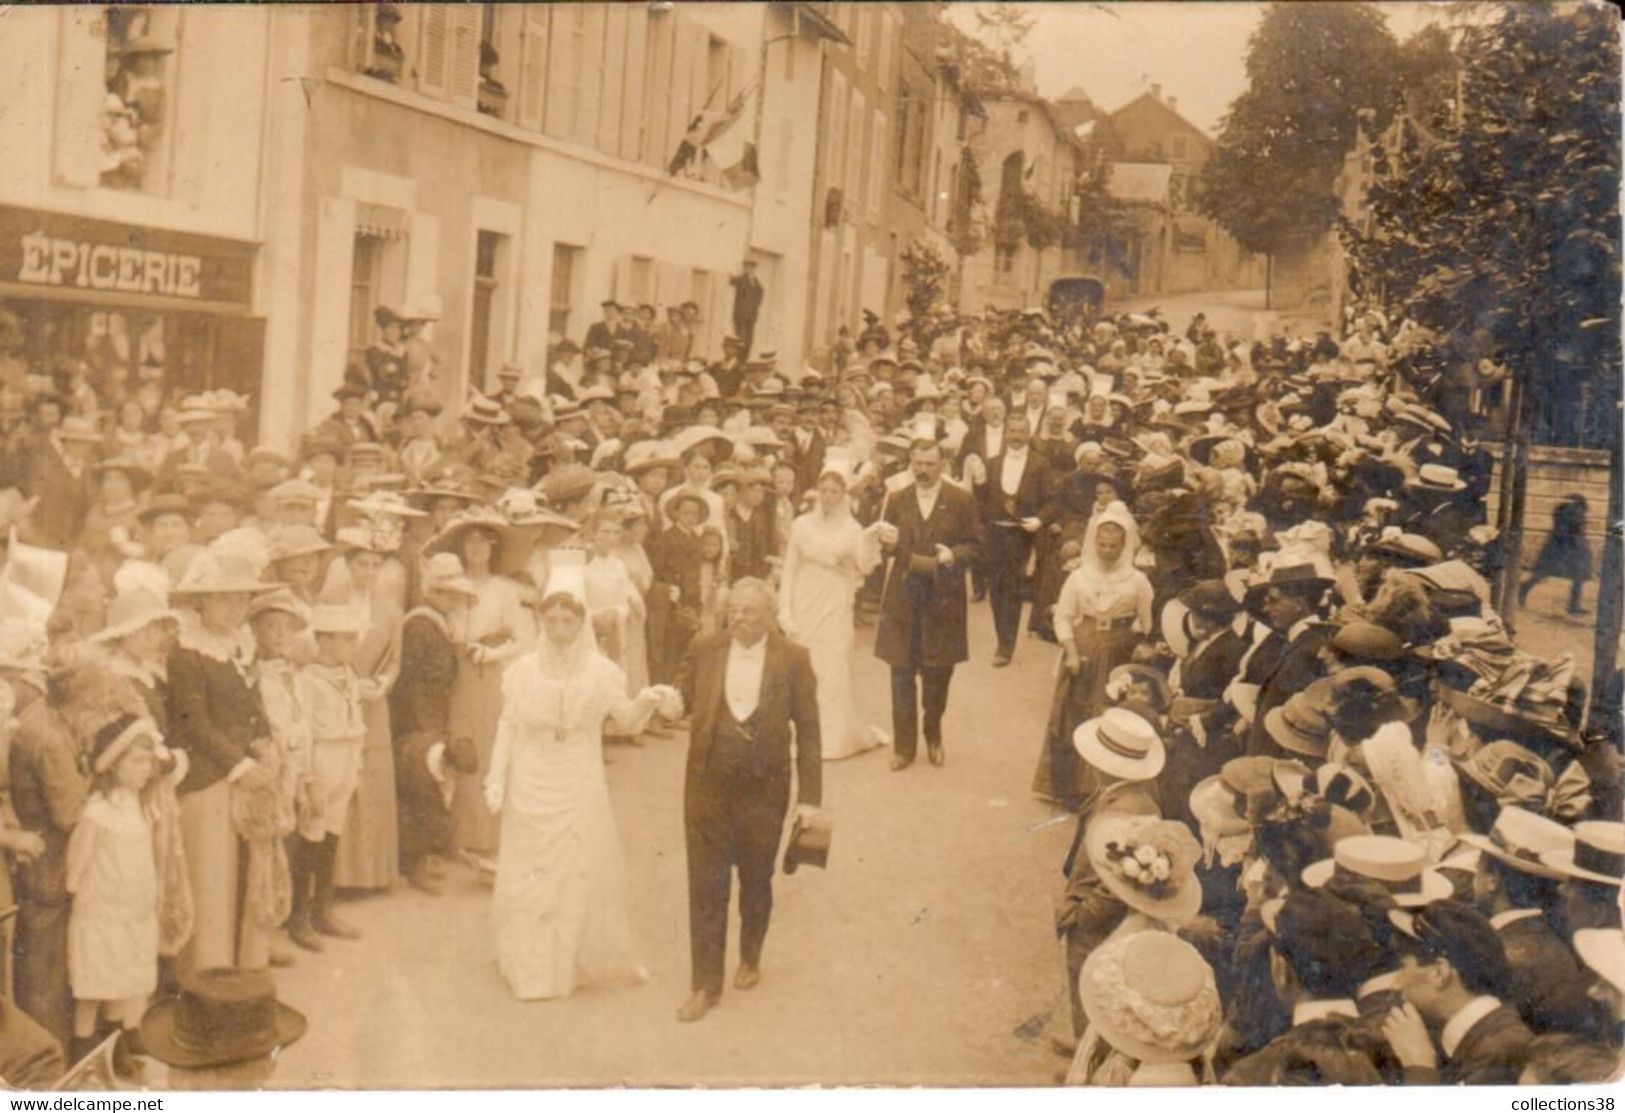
<point>1148,864</point>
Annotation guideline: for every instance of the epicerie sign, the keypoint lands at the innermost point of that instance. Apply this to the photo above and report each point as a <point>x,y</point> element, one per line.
<point>92,259</point>
<point>53,261</point>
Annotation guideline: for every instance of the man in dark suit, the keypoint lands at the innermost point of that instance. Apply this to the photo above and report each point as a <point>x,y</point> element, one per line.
<point>748,294</point>
<point>1015,505</point>
<point>1290,603</point>
<point>1454,975</point>
<point>603,333</point>
<point>752,698</point>
<point>803,445</point>
<point>933,535</point>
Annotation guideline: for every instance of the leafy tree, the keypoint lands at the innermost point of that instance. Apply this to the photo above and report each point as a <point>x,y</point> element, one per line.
<point>925,274</point>
<point>1006,24</point>
<point>1508,225</point>
<point>1312,68</point>
<point>1104,230</point>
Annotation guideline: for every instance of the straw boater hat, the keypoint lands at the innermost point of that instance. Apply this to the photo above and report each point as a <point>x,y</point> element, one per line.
<point>80,429</point>
<point>1400,866</point>
<point>280,601</point>
<point>1603,950</point>
<point>1437,477</point>
<point>1147,863</point>
<point>1598,853</point>
<point>687,494</point>
<point>131,611</point>
<point>1519,838</point>
<point>485,411</point>
<point>1121,743</point>
<point>1151,996</point>
<point>216,573</point>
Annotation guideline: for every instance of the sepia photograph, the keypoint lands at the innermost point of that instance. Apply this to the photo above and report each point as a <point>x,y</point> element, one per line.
<point>566,546</point>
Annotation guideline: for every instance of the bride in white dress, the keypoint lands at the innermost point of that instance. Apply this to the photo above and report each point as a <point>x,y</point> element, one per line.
<point>827,557</point>
<point>560,906</point>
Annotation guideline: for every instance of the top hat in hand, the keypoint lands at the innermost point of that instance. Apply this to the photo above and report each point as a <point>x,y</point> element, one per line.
<point>809,844</point>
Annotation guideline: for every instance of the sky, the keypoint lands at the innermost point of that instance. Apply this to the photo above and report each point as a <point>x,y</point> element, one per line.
<point>1196,51</point>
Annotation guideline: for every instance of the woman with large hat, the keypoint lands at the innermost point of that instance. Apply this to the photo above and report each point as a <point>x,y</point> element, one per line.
<point>368,849</point>
<point>495,628</point>
<point>216,718</point>
<point>1154,1014</point>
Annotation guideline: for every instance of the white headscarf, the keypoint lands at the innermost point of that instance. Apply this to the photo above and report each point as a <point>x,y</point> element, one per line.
<point>1115,514</point>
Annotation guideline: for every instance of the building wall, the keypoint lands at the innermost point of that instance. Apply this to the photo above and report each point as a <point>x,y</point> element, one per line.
<point>598,99</point>
<point>1018,124</point>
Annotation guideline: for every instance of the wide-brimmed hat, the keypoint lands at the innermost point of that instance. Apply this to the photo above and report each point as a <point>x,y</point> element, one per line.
<point>1598,853</point>
<point>516,541</point>
<point>485,411</point>
<point>1408,548</point>
<point>221,1015</point>
<point>1121,743</point>
<point>1147,863</point>
<point>567,483</point>
<point>1152,997</point>
<point>695,435</point>
<point>137,471</point>
<point>688,494</point>
<point>1514,774</point>
<point>165,504</point>
<point>1299,725</point>
<point>221,573</point>
<point>296,490</point>
<point>133,610</point>
<point>1437,477</point>
<point>1398,865</point>
<point>1519,838</point>
<point>297,541</point>
<point>1603,950</point>
<point>644,455</point>
<point>280,601</point>
<point>1503,720</point>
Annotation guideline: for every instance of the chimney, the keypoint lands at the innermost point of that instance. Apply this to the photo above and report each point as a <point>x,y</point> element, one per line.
<point>1156,90</point>
<point>1173,103</point>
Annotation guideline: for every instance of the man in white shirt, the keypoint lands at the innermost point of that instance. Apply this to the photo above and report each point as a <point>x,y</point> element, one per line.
<point>752,697</point>
<point>1013,503</point>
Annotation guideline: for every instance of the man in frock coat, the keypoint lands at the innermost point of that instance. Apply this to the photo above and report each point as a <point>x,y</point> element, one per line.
<point>933,534</point>
<point>752,698</point>
<point>1014,507</point>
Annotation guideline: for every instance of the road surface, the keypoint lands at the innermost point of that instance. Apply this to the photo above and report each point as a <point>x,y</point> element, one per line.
<point>924,955</point>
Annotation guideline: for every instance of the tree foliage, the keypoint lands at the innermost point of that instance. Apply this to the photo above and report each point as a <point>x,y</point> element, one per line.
<point>978,66</point>
<point>1006,24</point>
<point>1104,230</point>
<point>1312,68</point>
<point>925,275</point>
<point>1507,226</point>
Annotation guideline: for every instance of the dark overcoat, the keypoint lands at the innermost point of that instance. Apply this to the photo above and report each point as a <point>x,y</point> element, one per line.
<point>933,601</point>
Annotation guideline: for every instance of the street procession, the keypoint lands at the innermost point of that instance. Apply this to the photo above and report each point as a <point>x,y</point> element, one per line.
<point>1130,608</point>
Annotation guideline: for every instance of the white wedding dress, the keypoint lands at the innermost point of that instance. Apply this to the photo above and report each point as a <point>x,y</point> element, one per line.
<point>560,907</point>
<point>825,561</point>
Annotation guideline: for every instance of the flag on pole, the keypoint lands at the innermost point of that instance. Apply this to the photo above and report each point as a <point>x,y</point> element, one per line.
<point>708,126</point>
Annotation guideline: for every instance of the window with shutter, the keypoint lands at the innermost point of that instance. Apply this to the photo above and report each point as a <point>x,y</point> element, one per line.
<point>835,153</point>
<point>434,49</point>
<point>633,90</point>
<point>564,71</point>
<point>854,152</point>
<point>463,68</point>
<point>533,65</point>
<point>592,74</point>
<point>877,165</point>
<point>612,84</point>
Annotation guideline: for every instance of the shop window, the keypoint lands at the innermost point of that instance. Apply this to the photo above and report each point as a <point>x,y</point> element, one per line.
<point>366,269</point>
<point>484,322</point>
<point>140,71</point>
<point>561,297</point>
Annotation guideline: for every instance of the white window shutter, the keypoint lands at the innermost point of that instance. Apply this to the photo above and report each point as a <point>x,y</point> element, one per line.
<point>80,88</point>
<point>434,49</point>
<point>859,111</point>
<point>463,69</point>
<point>877,165</point>
<point>533,65</point>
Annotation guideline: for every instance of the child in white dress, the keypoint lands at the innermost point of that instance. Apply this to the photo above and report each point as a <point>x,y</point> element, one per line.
<point>113,876</point>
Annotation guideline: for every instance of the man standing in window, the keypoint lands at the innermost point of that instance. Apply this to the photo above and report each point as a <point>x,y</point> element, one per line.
<point>747,305</point>
<point>602,333</point>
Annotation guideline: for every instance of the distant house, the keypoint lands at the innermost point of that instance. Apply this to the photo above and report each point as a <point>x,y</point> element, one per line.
<point>1198,255</point>
<point>1146,188</point>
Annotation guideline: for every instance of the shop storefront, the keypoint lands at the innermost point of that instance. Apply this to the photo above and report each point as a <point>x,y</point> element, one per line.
<point>127,306</point>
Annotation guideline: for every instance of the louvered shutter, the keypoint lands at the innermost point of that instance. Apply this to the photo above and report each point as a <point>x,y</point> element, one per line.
<point>80,89</point>
<point>533,65</point>
<point>434,49</point>
<point>633,90</point>
<point>592,74</point>
<point>463,68</point>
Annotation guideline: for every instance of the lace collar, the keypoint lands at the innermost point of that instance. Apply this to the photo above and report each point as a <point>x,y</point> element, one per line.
<point>236,648</point>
